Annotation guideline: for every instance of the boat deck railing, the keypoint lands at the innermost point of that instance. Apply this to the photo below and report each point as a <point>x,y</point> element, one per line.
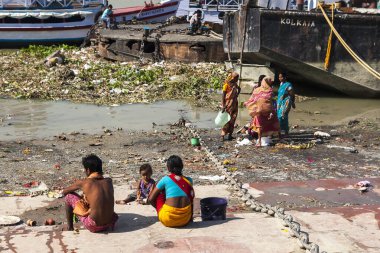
<point>220,4</point>
<point>48,3</point>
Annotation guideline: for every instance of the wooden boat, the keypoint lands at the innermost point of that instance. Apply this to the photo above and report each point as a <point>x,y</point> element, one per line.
<point>45,22</point>
<point>149,13</point>
<point>297,42</point>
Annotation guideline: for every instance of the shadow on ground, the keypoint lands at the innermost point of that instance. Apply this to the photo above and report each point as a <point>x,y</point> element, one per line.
<point>129,222</point>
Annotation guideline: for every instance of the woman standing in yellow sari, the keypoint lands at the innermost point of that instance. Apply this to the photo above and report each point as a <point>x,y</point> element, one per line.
<point>230,103</point>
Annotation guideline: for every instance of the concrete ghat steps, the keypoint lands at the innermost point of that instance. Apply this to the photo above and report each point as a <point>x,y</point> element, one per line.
<point>139,231</point>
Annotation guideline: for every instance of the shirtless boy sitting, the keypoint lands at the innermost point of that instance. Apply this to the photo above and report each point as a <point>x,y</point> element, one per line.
<point>96,208</point>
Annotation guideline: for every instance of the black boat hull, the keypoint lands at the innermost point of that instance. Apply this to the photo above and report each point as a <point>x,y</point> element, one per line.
<point>297,42</point>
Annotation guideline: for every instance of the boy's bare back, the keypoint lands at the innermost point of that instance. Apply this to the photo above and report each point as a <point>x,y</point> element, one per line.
<point>100,196</point>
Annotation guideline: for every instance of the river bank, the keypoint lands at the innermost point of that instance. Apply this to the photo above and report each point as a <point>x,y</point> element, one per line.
<point>84,77</point>
<point>42,143</point>
<point>55,161</point>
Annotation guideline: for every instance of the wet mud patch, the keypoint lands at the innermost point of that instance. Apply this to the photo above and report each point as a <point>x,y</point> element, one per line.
<point>55,210</point>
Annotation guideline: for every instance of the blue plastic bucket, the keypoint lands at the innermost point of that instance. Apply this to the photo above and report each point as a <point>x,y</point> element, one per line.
<point>213,208</point>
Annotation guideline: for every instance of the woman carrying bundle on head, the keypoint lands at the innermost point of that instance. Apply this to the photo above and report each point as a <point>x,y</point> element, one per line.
<point>263,111</point>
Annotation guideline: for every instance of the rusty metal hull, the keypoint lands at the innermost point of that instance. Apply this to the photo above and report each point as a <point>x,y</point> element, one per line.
<point>297,43</point>
<point>127,45</point>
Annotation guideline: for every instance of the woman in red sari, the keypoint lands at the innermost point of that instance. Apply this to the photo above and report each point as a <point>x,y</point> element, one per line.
<point>230,103</point>
<point>263,113</point>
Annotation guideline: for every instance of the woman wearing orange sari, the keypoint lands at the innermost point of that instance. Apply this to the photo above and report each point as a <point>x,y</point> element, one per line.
<point>263,113</point>
<point>230,103</point>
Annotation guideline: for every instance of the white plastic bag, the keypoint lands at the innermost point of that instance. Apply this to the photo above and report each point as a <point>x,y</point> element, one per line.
<point>265,141</point>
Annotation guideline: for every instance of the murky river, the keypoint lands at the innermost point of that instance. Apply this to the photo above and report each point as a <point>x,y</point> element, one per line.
<point>25,119</point>
<point>34,119</point>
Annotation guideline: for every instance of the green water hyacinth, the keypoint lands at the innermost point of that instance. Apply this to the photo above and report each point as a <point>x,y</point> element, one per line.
<point>84,77</point>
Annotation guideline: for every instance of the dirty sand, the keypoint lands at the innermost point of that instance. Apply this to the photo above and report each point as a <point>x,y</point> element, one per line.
<point>56,161</point>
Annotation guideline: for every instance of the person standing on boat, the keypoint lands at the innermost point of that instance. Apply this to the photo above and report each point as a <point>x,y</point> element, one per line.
<point>285,100</point>
<point>300,4</point>
<point>230,103</point>
<point>106,17</point>
<point>365,4</point>
<point>196,21</point>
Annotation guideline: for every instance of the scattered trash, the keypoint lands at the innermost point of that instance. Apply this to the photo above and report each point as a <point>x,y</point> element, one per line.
<point>317,141</point>
<point>265,141</point>
<point>213,178</point>
<point>55,194</point>
<point>228,162</point>
<point>244,142</point>
<point>26,151</point>
<point>31,223</point>
<point>31,184</point>
<point>232,169</point>
<point>354,122</point>
<point>15,193</point>
<point>3,181</point>
<point>223,156</point>
<point>349,149</point>
<point>97,144</point>
<point>57,166</point>
<point>49,222</point>
<point>54,59</point>
<point>295,146</point>
<point>322,134</point>
<point>39,190</point>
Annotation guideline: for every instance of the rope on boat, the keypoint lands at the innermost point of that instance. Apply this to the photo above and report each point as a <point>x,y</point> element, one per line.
<point>347,47</point>
<point>245,10</point>
<point>328,53</point>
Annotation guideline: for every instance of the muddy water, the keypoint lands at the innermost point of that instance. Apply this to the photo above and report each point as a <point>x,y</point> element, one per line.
<point>34,119</point>
<point>326,110</point>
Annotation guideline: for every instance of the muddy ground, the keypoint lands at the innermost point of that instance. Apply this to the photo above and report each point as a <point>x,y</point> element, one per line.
<point>56,161</point>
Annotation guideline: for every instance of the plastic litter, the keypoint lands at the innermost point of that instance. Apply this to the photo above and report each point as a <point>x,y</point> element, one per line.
<point>322,134</point>
<point>265,141</point>
<point>349,149</point>
<point>244,142</point>
<point>40,188</point>
<point>228,162</point>
<point>31,184</point>
<point>213,178</point>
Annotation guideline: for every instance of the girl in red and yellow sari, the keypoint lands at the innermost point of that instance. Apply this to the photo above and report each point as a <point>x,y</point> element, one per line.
<point>263,112</point>
<point>230,103</point>
<point>173,196</point>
